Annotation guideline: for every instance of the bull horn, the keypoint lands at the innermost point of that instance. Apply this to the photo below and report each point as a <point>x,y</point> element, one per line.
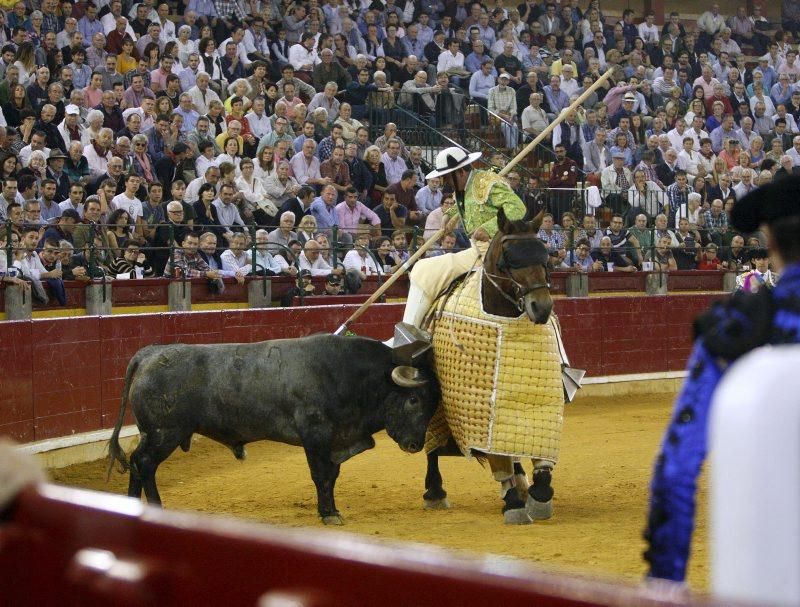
<point>407,377</point>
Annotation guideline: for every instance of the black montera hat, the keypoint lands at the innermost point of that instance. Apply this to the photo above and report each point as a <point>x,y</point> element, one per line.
<point>766,204</point>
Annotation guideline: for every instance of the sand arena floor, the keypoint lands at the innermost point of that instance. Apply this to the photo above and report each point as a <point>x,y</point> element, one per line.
<point>600,502</point>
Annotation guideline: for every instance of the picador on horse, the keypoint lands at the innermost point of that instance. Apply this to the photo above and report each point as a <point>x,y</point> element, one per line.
<point>497,348</point>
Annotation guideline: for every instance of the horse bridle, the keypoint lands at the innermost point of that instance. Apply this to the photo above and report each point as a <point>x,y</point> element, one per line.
<point>505,266</point>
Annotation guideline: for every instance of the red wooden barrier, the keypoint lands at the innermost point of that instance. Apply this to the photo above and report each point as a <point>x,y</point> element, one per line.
<point>62,376</point>
<point>61,546</point>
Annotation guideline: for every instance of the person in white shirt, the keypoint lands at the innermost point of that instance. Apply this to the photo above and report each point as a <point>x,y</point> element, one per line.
<point>302,55</point>
<point>129,202</point>
<point>359,264</point>
<point>266,262</point>
<point>311,259</point>
<point>206,159</point>
<point>252,189</point>
<point>568,83</point>
<point>451,61</point>
<point>201,94</point>
<point>236,259</point>
<point>98,153</point>
<point>30,264</point>
<point>260,124</point>
<point>677,134</point>
<point>648,30</point>
<point>689,160</point>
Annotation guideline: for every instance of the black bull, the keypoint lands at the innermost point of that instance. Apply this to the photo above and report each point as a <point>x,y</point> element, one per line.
<point>326,393</point>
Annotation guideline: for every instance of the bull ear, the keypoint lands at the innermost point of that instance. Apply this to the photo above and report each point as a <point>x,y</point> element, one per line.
<point>408,377</point>
<point>502,222</point>
<point>536,222</point>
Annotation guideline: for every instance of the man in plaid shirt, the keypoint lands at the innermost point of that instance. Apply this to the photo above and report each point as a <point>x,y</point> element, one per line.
<point>188,261</point>
<point>234,11</point>
<point>716,222</point>
<point>503,102</point>
<point>678,194</point>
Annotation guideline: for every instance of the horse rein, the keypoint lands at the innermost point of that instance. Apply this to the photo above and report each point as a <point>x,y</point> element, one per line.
<point>521,291</point>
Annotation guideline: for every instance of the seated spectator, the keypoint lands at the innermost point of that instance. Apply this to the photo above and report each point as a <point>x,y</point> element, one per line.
<point>661,257</point>
<point>283,234</point>
<point>436,219</point>
<point>405,195</point>
<point>582,260</point>
<point>447,244</point>
<point>709,259</point>
<point>227,211</point>
<point>393,163</point>
<point>376,170</point>
<point>32,265</point>
<point>306,229</point>
<point>351,212</point>
<point>359,264</point>
<point>687,252</point>
<point>11,275</point>
<point>236,260</point>
<point>311,259</point>
<point>400,246</point>
<point>611,259</point>
<point>266,263</point>
<point>132,264</point>
<point>186,262</point>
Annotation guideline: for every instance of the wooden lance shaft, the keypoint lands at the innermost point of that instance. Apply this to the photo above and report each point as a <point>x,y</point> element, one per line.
<point>392,279</point>
<point>559,119</point>
<point>433,239</point>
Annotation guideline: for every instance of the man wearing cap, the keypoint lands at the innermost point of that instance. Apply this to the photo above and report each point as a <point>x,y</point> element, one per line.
<point>479,194</point>
<point>55,171</point>
<point>71,128</point>
<point>626,111</point>
<point>503,101</point>
<point>724,333</point>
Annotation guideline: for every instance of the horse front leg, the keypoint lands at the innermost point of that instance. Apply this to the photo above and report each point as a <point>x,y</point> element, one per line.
<point>514,510</point>
<point>435,497</point>
<point>540,494</point>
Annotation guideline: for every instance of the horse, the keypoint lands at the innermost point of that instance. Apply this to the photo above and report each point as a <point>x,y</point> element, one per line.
<point>514,288</point>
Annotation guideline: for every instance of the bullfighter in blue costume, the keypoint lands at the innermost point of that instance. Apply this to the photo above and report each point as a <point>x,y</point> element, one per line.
<point>724,333</point>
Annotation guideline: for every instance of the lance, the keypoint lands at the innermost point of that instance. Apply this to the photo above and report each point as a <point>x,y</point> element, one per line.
<point>439,233</point>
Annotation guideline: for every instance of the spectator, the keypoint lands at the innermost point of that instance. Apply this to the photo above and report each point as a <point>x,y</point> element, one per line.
<point>283,234</point>
<point>186,261</point>
<point>662,257</point>
<point>611,259</point>
<point>359,264</point>
<point>392,162</point>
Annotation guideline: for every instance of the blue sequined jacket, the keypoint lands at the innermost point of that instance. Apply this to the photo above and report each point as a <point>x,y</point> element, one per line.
<point>724,333</point>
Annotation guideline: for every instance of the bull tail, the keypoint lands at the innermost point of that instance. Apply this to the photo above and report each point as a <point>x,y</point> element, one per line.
<point>115,451</point>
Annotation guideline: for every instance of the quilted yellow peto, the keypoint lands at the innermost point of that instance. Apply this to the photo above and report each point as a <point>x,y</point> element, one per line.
<point>500,378</point>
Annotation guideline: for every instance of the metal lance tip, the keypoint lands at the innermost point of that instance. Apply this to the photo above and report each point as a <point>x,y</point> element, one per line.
<point>410,344</point>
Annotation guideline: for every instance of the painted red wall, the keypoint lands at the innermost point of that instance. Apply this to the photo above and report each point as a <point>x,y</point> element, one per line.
<point>62,376</point>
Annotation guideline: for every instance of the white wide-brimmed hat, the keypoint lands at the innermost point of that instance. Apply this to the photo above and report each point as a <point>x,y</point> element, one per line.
<point>450,159</point>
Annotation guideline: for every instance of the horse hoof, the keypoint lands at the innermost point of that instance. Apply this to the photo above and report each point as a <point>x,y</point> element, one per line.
<point>539,511</point>
<point>442,504</point>
<point>517,516</point>
<point>333,519</point>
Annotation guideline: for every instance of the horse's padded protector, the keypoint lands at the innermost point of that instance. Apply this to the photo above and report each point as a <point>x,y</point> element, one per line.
<point>500,379</point>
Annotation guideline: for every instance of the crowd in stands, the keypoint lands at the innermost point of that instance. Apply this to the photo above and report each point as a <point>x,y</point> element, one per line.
<point>218,138</point>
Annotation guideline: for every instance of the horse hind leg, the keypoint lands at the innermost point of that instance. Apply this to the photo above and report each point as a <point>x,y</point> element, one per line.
<point>435,497</point>
<point>540,494</point>
<point>520,480</point>
<point>514,510</point>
